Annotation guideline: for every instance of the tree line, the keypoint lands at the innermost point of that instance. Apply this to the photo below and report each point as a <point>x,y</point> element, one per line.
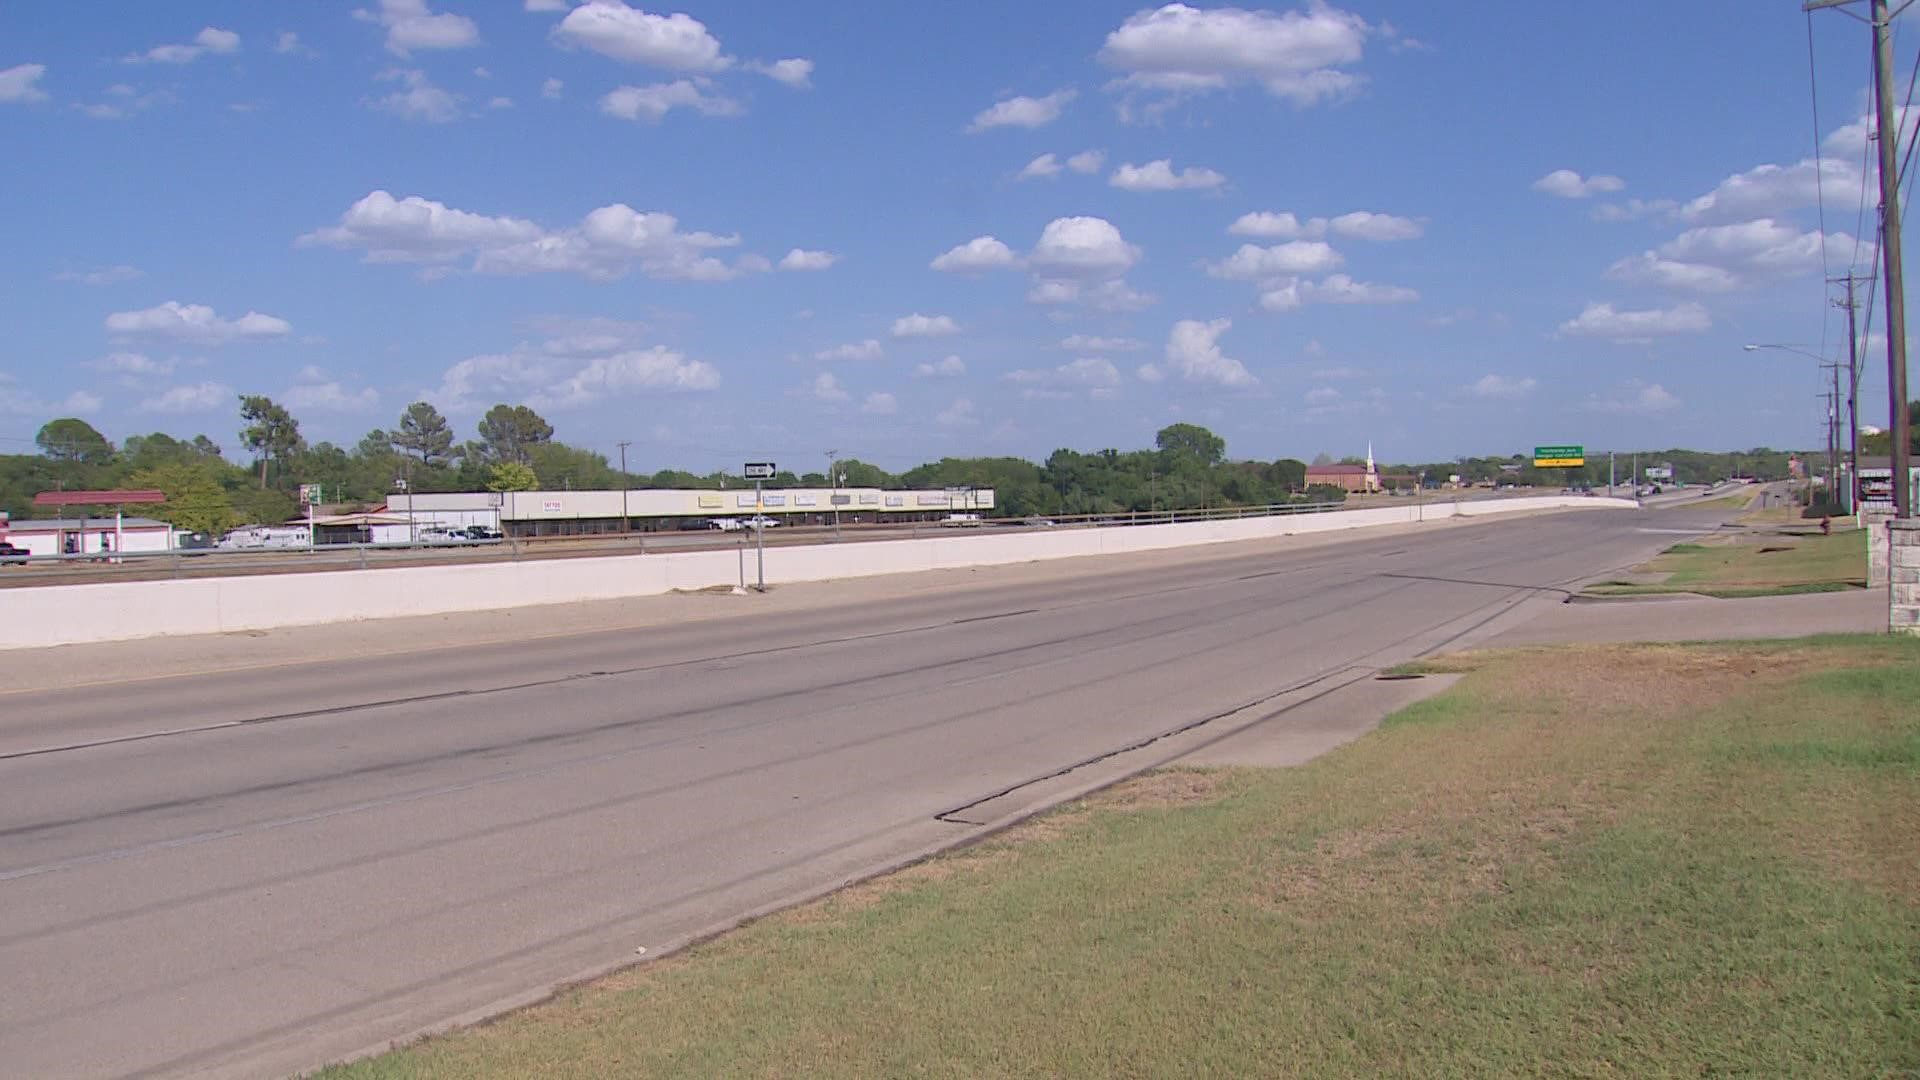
<point>514,449</point>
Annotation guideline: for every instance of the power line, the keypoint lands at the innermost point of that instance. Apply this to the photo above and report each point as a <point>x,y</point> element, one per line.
<point>1819,179</point>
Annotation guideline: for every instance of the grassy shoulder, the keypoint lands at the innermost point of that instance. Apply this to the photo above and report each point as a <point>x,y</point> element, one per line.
<point>1734,567</point>
<point>1620,860</point>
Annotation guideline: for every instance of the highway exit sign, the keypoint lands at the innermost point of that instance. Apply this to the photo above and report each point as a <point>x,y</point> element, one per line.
<point>1559,457</point>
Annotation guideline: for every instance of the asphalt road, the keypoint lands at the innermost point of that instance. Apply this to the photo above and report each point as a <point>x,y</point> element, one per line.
<point>255,872</point>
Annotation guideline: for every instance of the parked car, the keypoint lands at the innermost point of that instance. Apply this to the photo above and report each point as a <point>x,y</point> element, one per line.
<point>726,524</point>
<point>761,522</point>
<point>10,555</point>
<point>481,532</point>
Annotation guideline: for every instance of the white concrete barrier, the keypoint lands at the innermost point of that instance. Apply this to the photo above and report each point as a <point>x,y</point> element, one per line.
<point>74,614</point>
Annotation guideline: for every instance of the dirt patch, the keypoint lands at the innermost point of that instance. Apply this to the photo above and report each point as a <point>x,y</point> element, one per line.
<point>1164,788</point>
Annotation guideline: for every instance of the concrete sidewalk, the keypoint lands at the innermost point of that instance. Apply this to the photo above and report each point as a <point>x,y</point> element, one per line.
<point>1701,618</point>
<point>1338,718</point>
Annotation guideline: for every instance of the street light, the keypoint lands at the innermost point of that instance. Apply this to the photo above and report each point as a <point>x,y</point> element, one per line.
<point>1833,424</point>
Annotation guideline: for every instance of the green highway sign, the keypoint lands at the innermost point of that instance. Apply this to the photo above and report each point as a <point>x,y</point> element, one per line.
<point>1559,457</point>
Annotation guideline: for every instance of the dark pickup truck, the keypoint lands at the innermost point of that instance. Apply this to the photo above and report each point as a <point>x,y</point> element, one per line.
<point>11,555</point>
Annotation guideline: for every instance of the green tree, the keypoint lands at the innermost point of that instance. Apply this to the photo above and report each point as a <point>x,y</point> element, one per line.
<point>569,467</point>
<point>271,432</point>
<point>1192,439</point>
<point>1880,444</point>
<point>262,506</point>
<point>423,432</point>
<point>510,432</point>
<point>195,499</point>
<point>512,476</point>
<point>72,441</point>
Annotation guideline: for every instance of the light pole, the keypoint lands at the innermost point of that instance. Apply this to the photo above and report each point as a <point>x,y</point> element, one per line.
<point>626,523</point>
<point>1797,351</point>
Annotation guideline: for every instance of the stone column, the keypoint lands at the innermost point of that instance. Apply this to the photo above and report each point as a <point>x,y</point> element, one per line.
<point>1876,521</point>
<point>1903,564</point>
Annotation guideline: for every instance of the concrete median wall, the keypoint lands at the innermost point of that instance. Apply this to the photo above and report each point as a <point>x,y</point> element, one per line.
<point>74,614</point>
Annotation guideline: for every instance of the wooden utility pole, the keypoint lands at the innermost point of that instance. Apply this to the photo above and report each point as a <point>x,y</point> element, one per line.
<point>1887,131</point>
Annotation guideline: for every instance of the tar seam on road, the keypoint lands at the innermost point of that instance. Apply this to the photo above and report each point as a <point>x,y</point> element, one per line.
<point>1364,672</point>
<point>949,816</point>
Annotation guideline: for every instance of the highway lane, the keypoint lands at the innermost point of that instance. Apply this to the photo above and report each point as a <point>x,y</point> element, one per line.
<point>340,853</point>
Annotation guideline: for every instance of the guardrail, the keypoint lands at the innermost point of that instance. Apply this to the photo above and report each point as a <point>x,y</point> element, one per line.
<point>84,567</point>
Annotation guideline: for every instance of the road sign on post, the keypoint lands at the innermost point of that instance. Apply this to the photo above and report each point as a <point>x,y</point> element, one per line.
<point>1559,457</point>
<point>758,471</point>
<point>310,494</point>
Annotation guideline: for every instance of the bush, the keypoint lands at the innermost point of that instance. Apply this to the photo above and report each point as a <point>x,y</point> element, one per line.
<point>1823,509</point>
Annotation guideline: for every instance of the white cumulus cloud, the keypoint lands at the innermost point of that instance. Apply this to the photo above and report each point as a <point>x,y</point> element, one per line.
<point>675,42</point>
<point>135,365</point>
<point>657,368</point>
<point>1193,351</point>
<point>1287,294</point>
<point>880,403</point>
<point>411,25</point>
<point>194,324</point>
<point>960,414</point>
<point>1505,387</point>
<point>1046,165</point>
<point>1090,343</point>
<point>918,325</point>
<point>1296,55</point>
<point>1089,375</point>
<point>1633,398</point>
<point>1252,261</point>
<point>1160,176</point>
<point>19,84</point>
<point>1026,112</point>
<point>857,350</point>
<point>105,275</point>
<point>552,89</point>
<point>606,244</point>
<point>1725,258</point>
<point>1082,247</point>
<point>211,39</point>
<point>794,72</point>
<point>1367,225</point>
<point>652,103</point>
<point>1282,226</point>
<point>802,259</point>
<point>191,398</point>
<point>418,98</point>
<point>1603,321</point>
<point>827,388</point>
<point>978,254</point>
<point>1087,162</point>
<point>1772,190</point>
<point>951,367</point>
<point>1567,184</point>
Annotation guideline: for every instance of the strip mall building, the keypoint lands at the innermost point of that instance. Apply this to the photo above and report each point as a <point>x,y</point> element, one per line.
<point>587,513</point>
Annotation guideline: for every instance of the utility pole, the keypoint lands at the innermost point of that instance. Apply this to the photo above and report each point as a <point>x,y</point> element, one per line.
<point>1833,432</point>
<point>833,487</point>
<point>1887,132</point>
<point>626,523</point>
<point>1889,129</point>
<point>1853,396</point>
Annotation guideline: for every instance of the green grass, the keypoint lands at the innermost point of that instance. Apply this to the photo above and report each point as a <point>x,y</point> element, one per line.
<point>1749,566</point>
<point>1623,860</point>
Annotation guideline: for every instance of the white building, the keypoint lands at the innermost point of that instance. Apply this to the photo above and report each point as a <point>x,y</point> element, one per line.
<point>561,513</point>
<point>88,536</point>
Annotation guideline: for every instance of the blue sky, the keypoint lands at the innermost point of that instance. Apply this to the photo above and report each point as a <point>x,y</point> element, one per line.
<point>747,230</point>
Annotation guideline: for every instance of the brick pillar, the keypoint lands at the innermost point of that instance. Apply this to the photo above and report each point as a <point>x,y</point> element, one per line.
<point>1903,564</point>
<point>1876,521</point>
